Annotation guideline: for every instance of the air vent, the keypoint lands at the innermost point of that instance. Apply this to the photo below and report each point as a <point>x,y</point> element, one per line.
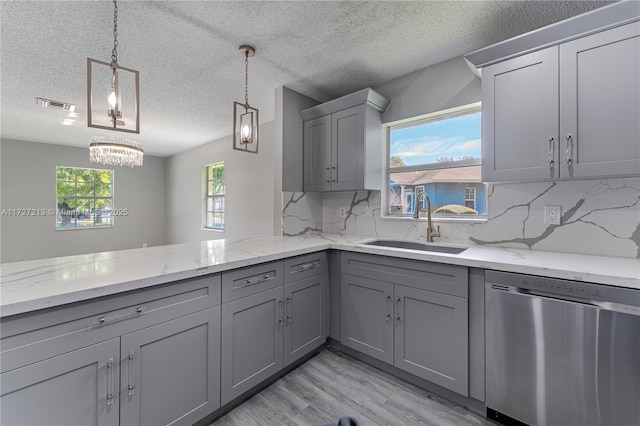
<point>48,103</point>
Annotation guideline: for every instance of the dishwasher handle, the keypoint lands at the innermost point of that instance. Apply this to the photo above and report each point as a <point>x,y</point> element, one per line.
<point>599,304</point>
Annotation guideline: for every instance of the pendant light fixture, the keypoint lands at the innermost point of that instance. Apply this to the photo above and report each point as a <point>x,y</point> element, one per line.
<point>112,104</point>
<point>245,117</point>
<point>113,91</point>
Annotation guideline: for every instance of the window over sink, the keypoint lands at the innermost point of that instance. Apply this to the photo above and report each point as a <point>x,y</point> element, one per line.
<point>439,154</point>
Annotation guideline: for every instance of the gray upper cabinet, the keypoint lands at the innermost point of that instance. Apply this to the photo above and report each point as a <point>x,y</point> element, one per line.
<point>567,111</point>
<point>600,104</point>
<point>520,118</point>
<point>343,143</point>
<point>317,158</point>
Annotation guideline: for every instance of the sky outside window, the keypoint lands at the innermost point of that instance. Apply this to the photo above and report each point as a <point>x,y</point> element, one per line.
<point>452,139</point>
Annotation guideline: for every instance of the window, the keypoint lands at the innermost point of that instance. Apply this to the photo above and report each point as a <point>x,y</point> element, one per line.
<point>470,197</point>
<point>84,198</point>
<point>214,203</point>
<point>440,155</point>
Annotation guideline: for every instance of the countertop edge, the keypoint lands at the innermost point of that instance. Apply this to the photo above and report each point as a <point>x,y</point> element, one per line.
<point>531,262</point>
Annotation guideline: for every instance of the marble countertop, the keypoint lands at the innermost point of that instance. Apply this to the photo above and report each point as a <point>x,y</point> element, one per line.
<point>32,285</point>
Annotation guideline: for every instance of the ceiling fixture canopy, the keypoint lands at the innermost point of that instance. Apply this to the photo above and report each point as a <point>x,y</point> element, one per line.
<point>245,117</point>
<point>115,151</point>
<point>113,91</point>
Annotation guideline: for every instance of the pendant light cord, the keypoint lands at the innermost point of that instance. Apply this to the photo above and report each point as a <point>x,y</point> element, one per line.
<point>114,52</point>
<point>246,78</point>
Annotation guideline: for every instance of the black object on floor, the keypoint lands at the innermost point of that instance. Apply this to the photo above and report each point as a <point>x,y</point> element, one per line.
<point>346,421</point>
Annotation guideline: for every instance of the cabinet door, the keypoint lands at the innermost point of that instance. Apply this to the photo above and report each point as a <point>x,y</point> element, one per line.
<point>431,337</point>
<point>170,373</point>
<point>67,390</point>
<point>347,152</point>
<point>305,316</point>
<point>519,117</point>
<point>600,104</point>
<point>367,309</point>
<point>252,341</point>
<point>317,154</point>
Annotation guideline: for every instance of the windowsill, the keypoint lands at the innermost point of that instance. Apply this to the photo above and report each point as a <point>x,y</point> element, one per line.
<point>85,228</point>
<point>479,219</point>
<point>212,229</point>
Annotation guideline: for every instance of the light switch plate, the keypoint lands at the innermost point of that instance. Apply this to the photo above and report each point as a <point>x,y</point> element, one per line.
<point>552,215</point>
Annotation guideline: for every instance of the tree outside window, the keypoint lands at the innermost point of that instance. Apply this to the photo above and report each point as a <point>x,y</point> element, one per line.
<point>84,198</point>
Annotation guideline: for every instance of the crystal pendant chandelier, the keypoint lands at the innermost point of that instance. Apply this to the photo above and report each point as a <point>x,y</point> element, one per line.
<point>115,151</point>
<point>245,117</point>
<point>112,104</point>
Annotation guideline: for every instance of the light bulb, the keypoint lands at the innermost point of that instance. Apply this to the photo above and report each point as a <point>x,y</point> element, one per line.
<point>246,132</point>
<point>113,99</point>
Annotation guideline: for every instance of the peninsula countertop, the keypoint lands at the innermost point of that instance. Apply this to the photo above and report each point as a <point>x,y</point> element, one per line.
<point>37,284</point>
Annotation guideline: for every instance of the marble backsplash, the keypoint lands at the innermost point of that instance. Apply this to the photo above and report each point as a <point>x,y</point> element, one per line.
<point>600,217</point>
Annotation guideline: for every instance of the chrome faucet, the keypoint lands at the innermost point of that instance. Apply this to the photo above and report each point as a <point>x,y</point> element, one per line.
<point>416,214</point>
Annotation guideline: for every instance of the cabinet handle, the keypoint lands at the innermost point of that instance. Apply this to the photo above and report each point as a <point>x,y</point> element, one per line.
<point>280,312</point>
<point>397,319</point>
<point>568,153</point>
<point>387,316</point>
<point>328,175</point>
<point>398,300</point>
<point>100,321</point>
<point>131,386</point>
<point>266,277</point>
<point>110,381</point>
<point>290,303</point>
<point>551,149</point>
<point>388,297</point>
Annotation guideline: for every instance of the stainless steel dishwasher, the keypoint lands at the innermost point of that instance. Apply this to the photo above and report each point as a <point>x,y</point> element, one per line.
<point>560,352</point>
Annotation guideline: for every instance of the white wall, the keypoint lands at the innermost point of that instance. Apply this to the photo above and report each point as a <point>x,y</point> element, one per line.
<point>250,189</point>
<point>28,181</point>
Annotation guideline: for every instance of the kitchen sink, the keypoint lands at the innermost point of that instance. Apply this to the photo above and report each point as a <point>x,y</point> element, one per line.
<point>414,245</point>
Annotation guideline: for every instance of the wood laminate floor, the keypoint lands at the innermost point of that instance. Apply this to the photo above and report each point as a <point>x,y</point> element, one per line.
<point>333,385</point>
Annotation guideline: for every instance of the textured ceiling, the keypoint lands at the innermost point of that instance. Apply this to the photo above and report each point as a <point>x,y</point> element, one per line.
<point>190,68</point>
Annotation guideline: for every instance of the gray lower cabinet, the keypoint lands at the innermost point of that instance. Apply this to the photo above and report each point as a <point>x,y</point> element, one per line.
<point>145,357</point>
<point>411,314</point>
<point>169,373</point>
<point>305,316</point>
<point>252,341</point>
<point>66,390</point>
<point>366,317</point>
<point>431,337</point>
<point>264,332</point>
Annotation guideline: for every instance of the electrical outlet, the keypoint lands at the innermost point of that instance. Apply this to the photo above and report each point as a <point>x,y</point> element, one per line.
<point>552,215</point>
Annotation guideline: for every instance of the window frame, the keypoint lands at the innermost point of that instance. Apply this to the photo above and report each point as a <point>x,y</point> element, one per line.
<point>387,170</point>
<point>213,197</point>
<point>76,197</point>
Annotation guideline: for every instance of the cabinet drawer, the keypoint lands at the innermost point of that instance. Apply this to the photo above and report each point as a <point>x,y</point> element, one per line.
<point>251,280</point>
<point>35,336</point>
<point>297,268</point>
<point>447,279</point>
